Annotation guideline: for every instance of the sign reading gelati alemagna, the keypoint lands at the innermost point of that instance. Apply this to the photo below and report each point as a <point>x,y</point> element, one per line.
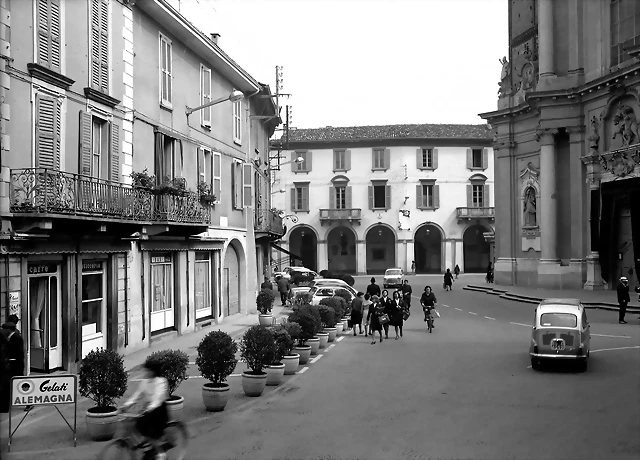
<point>43,390</point>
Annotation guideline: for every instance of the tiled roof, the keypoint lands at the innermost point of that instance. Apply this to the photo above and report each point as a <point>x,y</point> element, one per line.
<point>427,131</point>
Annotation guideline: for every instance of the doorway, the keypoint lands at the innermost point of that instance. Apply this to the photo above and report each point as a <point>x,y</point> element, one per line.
<point>477,251</point>
<point>427,249</point>
<point>381,249</point>
<point>231,281</point>
<point>162,315</point>
<point>45,317</point>
<point>341,249</point>
<point>94,306</point>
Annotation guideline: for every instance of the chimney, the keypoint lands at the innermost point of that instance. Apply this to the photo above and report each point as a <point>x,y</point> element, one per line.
<point>215,38</point>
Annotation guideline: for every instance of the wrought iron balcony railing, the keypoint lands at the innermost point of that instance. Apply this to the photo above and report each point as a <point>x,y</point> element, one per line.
<point>349,215</point>
<point>50,191</point>
<point>267,221</point>
<point>476,213</point>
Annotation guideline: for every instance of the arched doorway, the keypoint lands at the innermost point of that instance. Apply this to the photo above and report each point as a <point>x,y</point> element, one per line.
<point>341,250</point>
<point>381,249</point>
<point>303,242</point>
<point>427,249</point>
<point>477,250</point>
<point>231,282</point>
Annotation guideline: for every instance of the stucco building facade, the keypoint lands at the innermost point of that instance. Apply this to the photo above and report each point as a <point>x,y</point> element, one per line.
<point>363,199</point>
<point>566,145</point>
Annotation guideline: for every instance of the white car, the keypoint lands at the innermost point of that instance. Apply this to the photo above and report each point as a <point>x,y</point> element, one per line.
<point>393,277</point>
<point>322,292</point>
<point>287,272</point>
<point>333,282</point>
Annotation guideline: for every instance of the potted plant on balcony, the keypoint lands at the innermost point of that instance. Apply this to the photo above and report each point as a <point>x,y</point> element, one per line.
<point>290,359</point>
<point>264,303</point>
<point>283,343</point>
<point>257,349</point>
<point>102,379</point>
<point>143,180</point>
<point>173,367</point>
<point>206,195</point>
<point>216,361</point>
<point>175,187</point>
<point>277,211</point>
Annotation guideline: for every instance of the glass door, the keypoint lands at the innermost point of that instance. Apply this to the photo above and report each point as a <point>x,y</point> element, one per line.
<point>203,285</point>
<point>94,306</point>
<point>162,313</point>
<point>45,322</point>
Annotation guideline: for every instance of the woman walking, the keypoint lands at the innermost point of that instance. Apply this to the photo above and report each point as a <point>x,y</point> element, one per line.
<point>387,305</point>
<point>397,313</point>
<point>375,310</point>
<point>365,313</point>
<point>456,270</point>
<point>448,280</point>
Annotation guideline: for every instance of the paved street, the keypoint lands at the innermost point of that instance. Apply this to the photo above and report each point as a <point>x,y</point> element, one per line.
<point>465,391</point>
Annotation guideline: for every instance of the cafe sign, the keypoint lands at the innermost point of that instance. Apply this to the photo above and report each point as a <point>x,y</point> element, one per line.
<point>161,259</point>
<point>43,390</point>
<point>38,269</point>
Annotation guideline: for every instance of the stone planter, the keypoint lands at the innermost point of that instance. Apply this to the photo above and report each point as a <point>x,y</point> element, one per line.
<point>314,343</point>
<point>345,324</point>
<point>305,353</point>
<point>291,363</point>
<point>265,320</point>
<point>332,331</point>
<point>324,338</point>
<point>275,374</point>
<point>215,397</point>
<point>175,404</point>
<point>102,423</point>
<point>253,385</point>
<point>339,327</point>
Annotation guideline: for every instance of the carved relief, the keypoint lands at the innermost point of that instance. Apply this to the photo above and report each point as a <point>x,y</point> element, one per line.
<point>626,126</point>
<point>594,137</point>
<point>505,79</point>
<point>619,127</point>
<point>530,195</point>
<point>620,164</point>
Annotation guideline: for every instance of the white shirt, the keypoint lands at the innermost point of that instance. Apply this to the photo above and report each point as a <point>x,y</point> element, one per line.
<point>151,392</point>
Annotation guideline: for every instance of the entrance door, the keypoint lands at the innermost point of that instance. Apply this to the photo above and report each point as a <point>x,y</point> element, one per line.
<point>162,314</point>
<point>625,263</point>
<point>94,306</point>
<point>45,319</point>
<point>232,273</point>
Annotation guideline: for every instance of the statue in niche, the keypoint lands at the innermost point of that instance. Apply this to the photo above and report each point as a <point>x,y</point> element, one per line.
<point>627,125</point>
<point>344,250</point>
<point>505,79</point>
<point>530,208</point>
<point>594,138</point>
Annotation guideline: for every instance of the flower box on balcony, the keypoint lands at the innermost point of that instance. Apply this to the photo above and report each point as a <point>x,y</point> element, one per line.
<point>208,198</point>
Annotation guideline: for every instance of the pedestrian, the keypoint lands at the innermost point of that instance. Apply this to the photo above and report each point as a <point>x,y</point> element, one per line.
<point>456,270</point>
<point>428,301</point>
<point>5,382</point>
<point>376,309</point>
<point>448,280</point>
<point>397,313</point>
<point>15,349</point>
<point>373,288</point>
<point>357,306</point>
<point>387,305</point>
<point>413,267</point>
<point>638,292</point>
<point>283,289</point>
<point>623,298</point>
<point>489,277</point>
<point>406,294</point>
<point>266,284</point>
<point>366,305</point>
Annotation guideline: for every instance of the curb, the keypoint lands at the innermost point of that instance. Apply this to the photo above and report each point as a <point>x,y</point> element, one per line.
<point>505,294</point>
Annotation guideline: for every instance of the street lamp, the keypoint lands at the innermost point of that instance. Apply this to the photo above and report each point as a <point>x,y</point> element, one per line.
<point>235,96</point>
<point>278,191</point>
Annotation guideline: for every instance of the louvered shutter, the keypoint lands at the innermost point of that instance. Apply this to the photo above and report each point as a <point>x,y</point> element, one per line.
<point>294,165</point>
<point>387,197</point>
<point>85,143</point>
<point>305,198</point>
<point>332,198</point>
<point>44,53</point>
<point>293,199</point>
<point>104,46</point>
<point>308,161</point>
<point>200,164</point>
<point>349,197</point>
<point>435,158</point>
<point>419,197</point>
<point>469,196</point>
<point>347,160</point>
<point>436,196</point>
<point>47,132</point>
<point>96,66</point>
<point>371,197</point>
<point>419,164</point>
<point>485,158</point>
<point>387,158</point>
<point>234,190</point>
<point>55,24</point>
<point>486,197</point>
<point>469,159</point>
<point>336,156</point>
<point>206,95</point>
<point>114,158</point>
<point>247,198</point>
<point>217,173</point>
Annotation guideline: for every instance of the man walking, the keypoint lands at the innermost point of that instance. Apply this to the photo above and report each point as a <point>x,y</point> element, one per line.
<point>406,293</point>
<point>283,289</point>
<point>356,312</point>
<point>15,348</point>
<point>266,284</point>
<point>623,298</point>
<point>373,288</point>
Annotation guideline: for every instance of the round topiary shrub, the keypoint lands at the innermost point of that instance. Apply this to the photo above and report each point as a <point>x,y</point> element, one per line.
<point>325,274</point>
<point>257,349</point>
<point>348,279</point>
<point>103,379</point>
<point>173,367</point>
<point>217,357</point>
<point>302,298</point>
<point>294,330</point>
<point>327,315</point>
<point>307,324</point>
<point>346,296</point>
<point>264,301</point>
<point>284,344</point>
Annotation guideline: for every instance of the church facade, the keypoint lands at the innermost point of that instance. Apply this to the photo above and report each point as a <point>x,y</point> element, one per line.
<point>567,145</point>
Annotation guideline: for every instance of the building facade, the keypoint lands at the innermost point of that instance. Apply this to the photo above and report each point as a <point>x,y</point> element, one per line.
<point>125,218</point>
<point>566,143</point>
<point>364,199</point>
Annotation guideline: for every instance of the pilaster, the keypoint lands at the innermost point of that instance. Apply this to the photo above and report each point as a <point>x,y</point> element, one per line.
<point>5,108</point>
<point>361,257</point>
<point>322,261</point>
<point>127,100</point>
<point>577,192</point>
<point>545,41</point>
<point>548,197</point>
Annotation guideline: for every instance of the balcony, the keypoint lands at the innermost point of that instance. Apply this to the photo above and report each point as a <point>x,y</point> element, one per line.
<point>351,215</point>
<point>268,224</point>
<point>466,214</point>
<point>48,193</point>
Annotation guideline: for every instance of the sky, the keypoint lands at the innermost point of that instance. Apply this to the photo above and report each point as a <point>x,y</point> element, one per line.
<point>366,62</point>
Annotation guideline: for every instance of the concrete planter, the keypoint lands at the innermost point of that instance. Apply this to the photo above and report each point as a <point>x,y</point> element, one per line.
<point>102,423</point>
<point>275,374</point>
<point>253,385</point>
<point>215,397</point>
<point>291,363</point>
<point>339,327</point>
<point>304,352</point>
<point>314,343</point>
<point>324,338</point>
<point>175,404</point>
<point>345,324</point>
<point>332,331</point>
<point>265,320</point>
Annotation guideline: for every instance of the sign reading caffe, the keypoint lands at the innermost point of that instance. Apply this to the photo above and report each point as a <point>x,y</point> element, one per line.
<point>38,269</point>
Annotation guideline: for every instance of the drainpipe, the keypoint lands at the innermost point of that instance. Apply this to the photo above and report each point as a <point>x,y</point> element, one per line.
<point>142,288</point>
<point>126,299</point>
<point>188,302</point>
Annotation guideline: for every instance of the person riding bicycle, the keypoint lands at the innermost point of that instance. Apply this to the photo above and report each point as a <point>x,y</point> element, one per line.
<point>153,393</point>
<point>429,303</point>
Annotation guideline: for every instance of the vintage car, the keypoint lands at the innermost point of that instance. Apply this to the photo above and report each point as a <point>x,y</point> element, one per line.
<point>393,277</point>
<point>332,282</point>
<point>290,272</point>
<point>560,332</point>
<point>322,292</point>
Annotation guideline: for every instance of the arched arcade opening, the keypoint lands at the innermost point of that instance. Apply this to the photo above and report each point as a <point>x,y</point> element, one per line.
<point>381,249</point>
<point>304,243</point>
<point>427,249</point>
<point>341,250</point>
<point>477,250</point>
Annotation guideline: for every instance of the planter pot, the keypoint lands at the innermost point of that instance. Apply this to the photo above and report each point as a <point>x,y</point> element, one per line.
<point>175,404</point>
<point>339,327</point>
<point>275,374</point>
<point>291,363</point>
<point>324,338</point>
<point>265,320</point>
<point>345,324</point>
<point>215,397</point>
<point>314,343</point>
<point>253,385</point>
<point>305,353</point>
<point>332,331</point>
<point>102,423</point>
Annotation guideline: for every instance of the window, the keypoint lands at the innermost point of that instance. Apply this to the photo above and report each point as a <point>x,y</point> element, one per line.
<point>49,36</point>
<point>303,166</point>
<point>203,285</point>
<point>340,197</point>
<point>341,160</point>
<point>380,159</point>
<point>99,148</point>
<point>48,119</point>
<point>217,176</point>
<point>625,29</point>
<point>205,96</point>
<point>558,320</point>
<point>379,196</point>
<point>237,121</point>
<point>247,185</point>
<point>477,195</point>
<point>427,158</point>
<point>428,195</point>
<point>166,69</point>
<point>477,158</point>
<point>93,297</point>
<point>204,166</point>
<point>100,45</point>
<point>236,183</point>
<point>300,198</point>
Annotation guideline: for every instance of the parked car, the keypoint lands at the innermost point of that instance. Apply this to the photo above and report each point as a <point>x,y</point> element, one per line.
<point>290,272</point>
<point>393,277</point>
<point>560,331</point>
<point>333,282</point>
<point>322,292</point>
<point>295,290</point>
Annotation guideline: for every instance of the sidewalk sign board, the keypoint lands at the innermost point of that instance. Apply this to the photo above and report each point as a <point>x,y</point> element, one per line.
<point>44,390</point>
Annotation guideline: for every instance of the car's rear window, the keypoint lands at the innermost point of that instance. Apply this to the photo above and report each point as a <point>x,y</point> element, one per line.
<point>324,292</point>
<point>394,272</point>
<point>558,320</point>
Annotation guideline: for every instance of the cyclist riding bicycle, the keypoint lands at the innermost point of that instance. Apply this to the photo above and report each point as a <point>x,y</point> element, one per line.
<point>152,393</point>
<point>429,303</point>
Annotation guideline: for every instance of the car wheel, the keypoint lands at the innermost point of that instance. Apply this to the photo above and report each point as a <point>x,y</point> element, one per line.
<point>535,364</point>
<point>583,365</point>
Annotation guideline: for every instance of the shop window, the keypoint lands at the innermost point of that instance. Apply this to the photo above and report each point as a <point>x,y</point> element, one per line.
<point>93,300</point>
<point>162,313</point>
<point>203,285</point>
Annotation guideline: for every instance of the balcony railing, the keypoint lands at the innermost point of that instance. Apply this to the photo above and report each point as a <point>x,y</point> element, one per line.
<point>50,191</point>
<point>348,215</point>
<point>476,213</point>
<point>268,222</point>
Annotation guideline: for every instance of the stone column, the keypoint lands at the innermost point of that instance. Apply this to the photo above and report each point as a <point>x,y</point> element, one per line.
<point>548,201</point>
<point>594,274</point>
<point>361,257</point>
<point>545,39</point>
<point>410,254</point>
<point>577,197</point>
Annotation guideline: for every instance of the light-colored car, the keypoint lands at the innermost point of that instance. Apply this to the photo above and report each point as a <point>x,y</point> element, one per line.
<point>322,292</point>
<point>560,331</point>
<point>288,272</point>
<point>333,282</point>
<point>393,277</point>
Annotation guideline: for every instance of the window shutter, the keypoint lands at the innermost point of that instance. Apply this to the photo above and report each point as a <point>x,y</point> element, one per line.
<point>347,160</point>
<point>199,165</point>
<point>485,158</point>
<point>114,158</point>
<point>104,46</point>
<point>307,160</point>
<point>305,198</point>
<point>348,197</point>
<point>55,34</point>
<point>247,199</point>
<point>217,179</point>
<point>234,194</point>
<point>47,132</point>
<point>469,159</point>
<point>469,196</point>
<point>419,164</point>
<point>371,197</point>
<point>419,197</point>
<point>293,199</point>
<point>373,158</point>
<point>85,143</point>
<point>336,155</point>
<point>387,158</point>
<point>436,196</point>
<point>485,196</point>
<point>387,197</point>
<point>435,158</point>
<point>332,198</point>
<point>44,54</point>
<point>294,165</point>
<point>205,91</point>
<point>95,44</point>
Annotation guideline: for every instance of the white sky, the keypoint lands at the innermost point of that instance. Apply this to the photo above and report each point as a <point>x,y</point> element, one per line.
<point>367,62</point>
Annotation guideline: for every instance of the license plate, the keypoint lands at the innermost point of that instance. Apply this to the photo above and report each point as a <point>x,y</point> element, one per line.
<point>557,344</point>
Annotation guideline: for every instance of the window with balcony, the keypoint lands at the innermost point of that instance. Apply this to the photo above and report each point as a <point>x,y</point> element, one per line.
<point>237,122</point>
<point>303,166</point>
<point>48,121</point>
<point>300,197</point>
<point>477,158</point>
<point>427,158</point>
<point>379,195</point>
<point>205,96</point>
<point>341,160</point>
<point>237,184</point>
<point>340,197</point>
<point>477,195</point>
<point>428,195</point>
<point>100,151</point>
<point>48,41</point>
<point>381,158</point>
<point>625,29</point>
<point>209,172</point>
<point>99,48</point>
<point>168,158</point>
<point>166,71</point>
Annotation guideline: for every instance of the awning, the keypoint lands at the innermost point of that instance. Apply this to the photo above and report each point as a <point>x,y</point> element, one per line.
<point>292,256</point>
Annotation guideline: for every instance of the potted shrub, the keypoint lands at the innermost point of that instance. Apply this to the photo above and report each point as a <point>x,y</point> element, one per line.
<point>290,359</point>
<point>102,379</point>
<point>257,349</point>
<point>216,361</point>
<point>284,343</point>
<point>176,186</point>
<point>143,180</point>
<point>264,303</point>
<point>329,317</point>
<point>173,365</point>
<point>307,325</point>
<point>204,190</point>
<point>313,312</point>
<point>302,298</point>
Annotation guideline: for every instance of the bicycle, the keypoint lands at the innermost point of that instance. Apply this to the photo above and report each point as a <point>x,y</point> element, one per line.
<point>129,447</point>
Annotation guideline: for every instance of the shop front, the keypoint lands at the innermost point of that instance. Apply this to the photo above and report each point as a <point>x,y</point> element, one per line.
<point>162,316</point>
<point>207,286</point>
